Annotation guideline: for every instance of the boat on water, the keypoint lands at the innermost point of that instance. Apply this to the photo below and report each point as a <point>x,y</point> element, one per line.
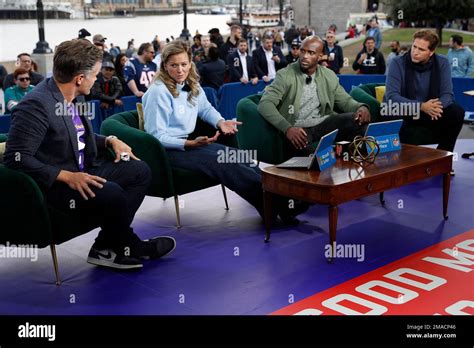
<point>258,18</point>
<point>27,10</point>
<point>221,11</point>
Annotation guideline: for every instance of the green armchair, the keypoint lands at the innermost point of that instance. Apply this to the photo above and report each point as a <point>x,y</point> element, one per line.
<point>409,135</point>
<point>29,220</point>
<point>167,181</point>
<point>257,134</point>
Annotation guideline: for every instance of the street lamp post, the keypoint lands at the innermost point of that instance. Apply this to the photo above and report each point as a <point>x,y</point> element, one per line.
<point>240,12</point>
<point>41,46</point>
<point>280,23</point>
<point>185,33</point>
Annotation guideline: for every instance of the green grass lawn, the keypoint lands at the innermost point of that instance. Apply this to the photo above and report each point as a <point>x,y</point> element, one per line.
<point>440,50</point>
<point>406,35</point>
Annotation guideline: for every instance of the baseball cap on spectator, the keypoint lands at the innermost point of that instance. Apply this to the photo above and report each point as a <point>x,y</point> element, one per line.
<point>98,39</point>
<point>214,31</point>
<point>83,33</point>
<point>108,64</point>
<point>296,43</point>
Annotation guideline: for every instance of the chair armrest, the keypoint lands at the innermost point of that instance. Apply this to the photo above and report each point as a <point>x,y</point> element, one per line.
<point>26,218</point>
<point>362,96</point>
<point>147,148</point>
<point>256,133</point>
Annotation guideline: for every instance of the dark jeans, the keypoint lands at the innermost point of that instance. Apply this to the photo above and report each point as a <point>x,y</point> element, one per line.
<point>347,130</point>
<point>114,206</point>
<point>446,128</point>
<point>239,177</point>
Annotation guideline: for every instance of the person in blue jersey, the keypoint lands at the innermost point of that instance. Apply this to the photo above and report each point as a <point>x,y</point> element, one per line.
<point>171,107</point>
<point>139,71</point>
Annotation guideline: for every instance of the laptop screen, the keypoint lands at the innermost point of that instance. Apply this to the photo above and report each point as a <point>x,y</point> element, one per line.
<point>326,141</point>
<point>383,128</point>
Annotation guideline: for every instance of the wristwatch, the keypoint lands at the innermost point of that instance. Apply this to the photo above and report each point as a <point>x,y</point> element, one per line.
<point>110,137</point>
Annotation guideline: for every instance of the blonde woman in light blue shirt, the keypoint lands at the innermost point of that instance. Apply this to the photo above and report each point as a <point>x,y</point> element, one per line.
<point>171,107</point>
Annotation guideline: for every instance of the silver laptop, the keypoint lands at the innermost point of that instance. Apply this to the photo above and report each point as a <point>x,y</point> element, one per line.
<point>310,161</point>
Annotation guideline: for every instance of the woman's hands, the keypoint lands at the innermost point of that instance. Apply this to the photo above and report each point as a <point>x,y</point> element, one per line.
<point>228,127</point>
<point>201,141</point>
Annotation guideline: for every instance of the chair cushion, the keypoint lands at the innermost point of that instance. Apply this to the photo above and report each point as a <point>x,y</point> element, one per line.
<point>141,117</point>
<point>379,93</point>
<point>2,151</point>
<point>3,139</point>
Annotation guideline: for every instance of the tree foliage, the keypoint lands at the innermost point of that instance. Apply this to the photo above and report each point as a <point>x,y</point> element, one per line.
<point>435,12</point>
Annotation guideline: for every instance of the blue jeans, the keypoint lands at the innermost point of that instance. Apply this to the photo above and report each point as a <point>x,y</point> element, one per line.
<point>241,178</point>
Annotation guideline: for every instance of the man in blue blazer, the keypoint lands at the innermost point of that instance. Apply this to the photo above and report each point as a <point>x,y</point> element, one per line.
<point>240,65</point>
<point>268,59</point>
<point>51,139</point>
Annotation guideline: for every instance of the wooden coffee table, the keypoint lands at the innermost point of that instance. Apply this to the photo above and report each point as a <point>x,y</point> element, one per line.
<point>346,180</point>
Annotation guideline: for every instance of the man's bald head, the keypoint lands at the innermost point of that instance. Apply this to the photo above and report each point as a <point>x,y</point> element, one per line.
<point>310,52</point>
<point>313,40</point>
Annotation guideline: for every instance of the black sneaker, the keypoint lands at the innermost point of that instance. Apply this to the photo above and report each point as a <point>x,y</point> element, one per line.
<point>157,247</point>
<point>108,258</point>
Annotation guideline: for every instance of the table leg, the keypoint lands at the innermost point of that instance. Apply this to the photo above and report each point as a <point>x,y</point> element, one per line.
<point>332,229</point>
<point>382,200</point>
<point>267,208</point>
<point>446,185</point>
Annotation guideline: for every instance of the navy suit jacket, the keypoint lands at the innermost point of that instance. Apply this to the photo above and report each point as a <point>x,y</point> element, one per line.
<point>260,61</point>
<point>235,67</point>
<point>42,139</point>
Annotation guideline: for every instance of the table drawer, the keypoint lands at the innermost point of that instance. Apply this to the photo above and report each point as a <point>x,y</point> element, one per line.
<point>366,188</point>
<point>425,172</point>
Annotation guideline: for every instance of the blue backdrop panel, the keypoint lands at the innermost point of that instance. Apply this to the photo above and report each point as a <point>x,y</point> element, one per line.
<point>5,123</point>
<point>230,94</point>
<point>211,95</point>
<point>347,81</point>
<point>460,85</point>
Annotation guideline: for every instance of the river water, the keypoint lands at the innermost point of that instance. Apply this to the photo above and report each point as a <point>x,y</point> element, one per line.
<point>21,36</point>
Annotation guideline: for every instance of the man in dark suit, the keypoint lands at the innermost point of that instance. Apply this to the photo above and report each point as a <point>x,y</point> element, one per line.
<point>51,140</point>
<point>241,66</point>
<point>268,59</point>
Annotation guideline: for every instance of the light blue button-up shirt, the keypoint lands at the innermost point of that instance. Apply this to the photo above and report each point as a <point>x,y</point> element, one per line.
<point>171,119</point>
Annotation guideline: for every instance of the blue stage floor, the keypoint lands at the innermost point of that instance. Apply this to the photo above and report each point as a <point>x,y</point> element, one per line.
<point>221,264</point>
